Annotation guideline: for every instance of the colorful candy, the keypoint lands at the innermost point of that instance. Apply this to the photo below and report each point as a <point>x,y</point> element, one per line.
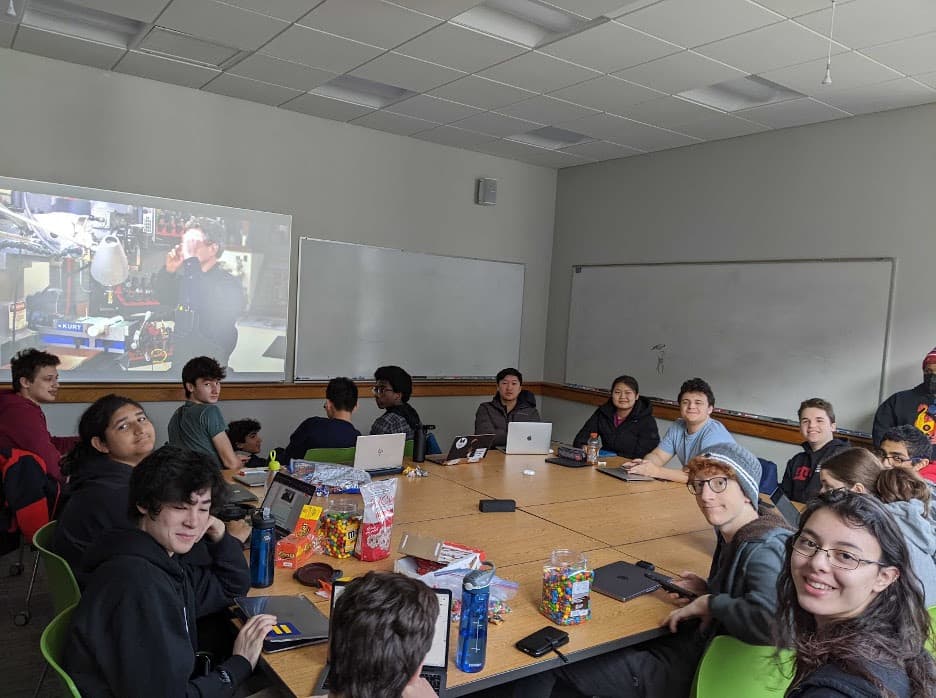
<point>566,588</point>
<point>338,532</point>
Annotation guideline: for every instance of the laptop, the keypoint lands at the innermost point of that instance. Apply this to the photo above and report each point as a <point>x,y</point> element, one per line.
<point>528,438</point>
<point>381,454</point>
<point>299,622</point>
<point>622,581</point>
<point>235,494</point>
<point>472,448</point>
<point>252,477</point>
<point>286,496</point>
<point>620,472</point>
<point>435,665</point>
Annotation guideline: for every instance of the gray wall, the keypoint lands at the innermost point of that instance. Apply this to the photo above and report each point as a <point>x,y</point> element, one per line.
<point>860,187</point>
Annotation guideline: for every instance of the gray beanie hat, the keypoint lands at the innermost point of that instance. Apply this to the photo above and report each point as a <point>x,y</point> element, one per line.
<point>745,465</point>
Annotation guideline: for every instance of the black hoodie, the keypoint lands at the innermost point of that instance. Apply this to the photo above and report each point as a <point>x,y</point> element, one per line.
<point>829,681</point>
<point>133,632</point>
<point>635,437</point>
<point>492,417</point>
<point>915,406</point>
<point>801,477</point>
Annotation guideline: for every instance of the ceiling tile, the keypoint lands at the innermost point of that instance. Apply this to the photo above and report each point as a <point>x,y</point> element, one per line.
<point>590,8</point>
<point>251,90</point>
<point>320,50</point>
<point>222,23</point>
<point>141,10</point>
<point>146,65</point>
<point>668,111</point>
<point>409,73</point>
<point>691,23</point>
<point>530,154</point>
<point>795,8</point>
<point>460,48</point>
<point>279,72</point>
<point>911,56</point>
<point>443,9</point>
<point>881,96</point>
<point>7,30</point>
<point>538,72</point>
<point>794,112</point>
<point>546,110</point>
<point>776,46</point>
<point>442,111</point>
<point>713,128</point>
<point>609,47</point>
<point>325,107</point>
<point>481,92</point>
<point>172,43</point>
<point>601,150</point>
<point>848,70</point>
<point>289,10</point>
<point>927,79</point>
<point>66,48</point>
<point>496,124</point>
<point>627,132</point>
<point>606,94</point>
<point>449,135</point>
<point>394,123</point>
<point>369,21</point>
<point>868,22</point>
<point>680,72</point>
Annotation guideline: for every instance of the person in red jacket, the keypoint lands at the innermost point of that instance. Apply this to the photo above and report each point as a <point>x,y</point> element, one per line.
<point>22,423</point>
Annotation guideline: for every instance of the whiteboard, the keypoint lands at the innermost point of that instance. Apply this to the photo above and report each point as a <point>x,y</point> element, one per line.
<point>360,307</point>
<point>765,335</point>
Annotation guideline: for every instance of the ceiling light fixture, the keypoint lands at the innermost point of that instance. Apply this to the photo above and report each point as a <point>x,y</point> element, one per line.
<point>827,80</point>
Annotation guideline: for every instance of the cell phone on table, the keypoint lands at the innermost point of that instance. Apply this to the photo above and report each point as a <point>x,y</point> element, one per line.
<point>670,585</point>
<point>542,641</point>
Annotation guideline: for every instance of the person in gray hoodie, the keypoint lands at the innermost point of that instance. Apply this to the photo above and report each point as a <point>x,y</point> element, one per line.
<point>510,404</point>
<point>738,598</point>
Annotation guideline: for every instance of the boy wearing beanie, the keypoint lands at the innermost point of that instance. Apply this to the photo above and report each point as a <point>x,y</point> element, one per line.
<point>916,406</point>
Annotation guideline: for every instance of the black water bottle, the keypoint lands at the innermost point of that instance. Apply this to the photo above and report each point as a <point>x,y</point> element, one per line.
<point>419,442</point>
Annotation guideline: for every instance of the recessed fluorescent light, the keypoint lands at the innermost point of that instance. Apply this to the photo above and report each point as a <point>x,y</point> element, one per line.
<point>186,48</point>
<point>526,22</point>
<point>65,18</point>
<point>551,137</point>
<point>367,93</point>
<point>740,93</point>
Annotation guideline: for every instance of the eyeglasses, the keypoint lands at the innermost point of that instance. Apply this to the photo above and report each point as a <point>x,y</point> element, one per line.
<point>716,484</point>
<point>842,559</point>
<point>380,389</point>
<point>898,460</point>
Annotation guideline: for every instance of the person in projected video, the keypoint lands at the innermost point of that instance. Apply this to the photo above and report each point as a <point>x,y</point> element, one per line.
<point>206,298</point>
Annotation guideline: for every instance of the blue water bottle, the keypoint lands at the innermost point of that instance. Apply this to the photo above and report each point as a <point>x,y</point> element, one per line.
<point>262,548</point>
<point>472,626</point>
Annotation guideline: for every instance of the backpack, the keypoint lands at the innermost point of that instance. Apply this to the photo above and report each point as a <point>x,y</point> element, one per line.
<point>28,497</point>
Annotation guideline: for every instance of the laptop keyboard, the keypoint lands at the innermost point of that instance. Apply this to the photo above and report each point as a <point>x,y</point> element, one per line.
<point>435,680</point>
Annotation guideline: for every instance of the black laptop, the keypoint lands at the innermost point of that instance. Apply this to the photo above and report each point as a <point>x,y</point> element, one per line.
<point>286,496</point>
<point>472,448</point>
<point>622,581</point>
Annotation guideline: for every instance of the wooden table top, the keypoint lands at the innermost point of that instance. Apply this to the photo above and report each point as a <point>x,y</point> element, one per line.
<point>576,508</point>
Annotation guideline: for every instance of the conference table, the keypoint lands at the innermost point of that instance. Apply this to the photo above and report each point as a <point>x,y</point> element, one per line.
<point>557,507</point>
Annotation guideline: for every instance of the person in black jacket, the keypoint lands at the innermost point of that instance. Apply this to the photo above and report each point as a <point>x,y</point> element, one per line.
<point>858,623</point>
<point>916,406</point>
<point>133,632</point>
<point>817,425</point>
<point>511,403</point>
<point>625,422</point>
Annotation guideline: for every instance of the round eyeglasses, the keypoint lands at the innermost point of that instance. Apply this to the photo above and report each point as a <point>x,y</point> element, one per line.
<point>716,484</point>
<point>843,559</point>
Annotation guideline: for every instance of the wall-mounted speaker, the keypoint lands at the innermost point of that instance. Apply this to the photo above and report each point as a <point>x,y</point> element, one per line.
<point>486,193</point>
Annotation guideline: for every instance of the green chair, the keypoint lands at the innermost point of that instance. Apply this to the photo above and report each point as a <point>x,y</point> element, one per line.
<point>52,644</point>
<point>62,582</point>
<point>408,448</point>
<point>931,643</point>
<point>730,667</point>
<point>331,455</point>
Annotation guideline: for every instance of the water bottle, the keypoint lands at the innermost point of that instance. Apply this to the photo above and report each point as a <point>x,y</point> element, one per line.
<point>472,626</point>
<point>273,467</point>
<point>592,448</point>
<point>419,444</point>
<point>262,548</point>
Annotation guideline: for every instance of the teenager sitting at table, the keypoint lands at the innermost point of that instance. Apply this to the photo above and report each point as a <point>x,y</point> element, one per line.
<point>334,430</point>
<point>738,598</point>
<point>858,623</point>
<point>392,393</point>
<point>625,422</point>
<point>511,403</point>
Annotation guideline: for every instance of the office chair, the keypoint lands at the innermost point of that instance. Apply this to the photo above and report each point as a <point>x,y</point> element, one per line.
<point>331,455</point>
<point>52,644</point>
<point>730,667</point>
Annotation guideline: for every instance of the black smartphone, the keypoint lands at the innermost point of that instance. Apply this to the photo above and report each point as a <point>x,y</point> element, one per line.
<point>542,641</point>
<point>669,585</point>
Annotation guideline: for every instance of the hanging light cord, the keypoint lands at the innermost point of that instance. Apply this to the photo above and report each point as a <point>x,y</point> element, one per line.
<point>828,76</point>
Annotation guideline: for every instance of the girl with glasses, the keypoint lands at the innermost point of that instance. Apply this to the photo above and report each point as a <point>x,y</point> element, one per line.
<point>857,618</point>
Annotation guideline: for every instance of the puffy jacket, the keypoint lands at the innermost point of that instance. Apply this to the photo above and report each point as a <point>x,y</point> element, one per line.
<point>921,542</point>
<point>635,437</point>
<point>23,425</point>
<point>801,477</point>
<point>492,417</point>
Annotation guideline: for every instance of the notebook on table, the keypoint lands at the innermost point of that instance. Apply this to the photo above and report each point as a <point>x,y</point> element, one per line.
<point>472,448</point>
<point>299,622</point>
<point>381,454</point>
<point>528,438</point>
<point>620,472</point>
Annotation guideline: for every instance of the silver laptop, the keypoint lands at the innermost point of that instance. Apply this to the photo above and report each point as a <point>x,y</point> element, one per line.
<point>528,438</point>
<point>620,472</point>
<point>472,448</point>
<point>435,665</point>
<point>381,454</point>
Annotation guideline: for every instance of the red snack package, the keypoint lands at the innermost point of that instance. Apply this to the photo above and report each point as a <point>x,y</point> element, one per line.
<point>373,541</point>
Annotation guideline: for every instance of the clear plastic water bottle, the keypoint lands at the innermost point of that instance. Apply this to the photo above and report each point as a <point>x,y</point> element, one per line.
<point>592,447</point>
<point>472,626</point>
<point>262,548</point>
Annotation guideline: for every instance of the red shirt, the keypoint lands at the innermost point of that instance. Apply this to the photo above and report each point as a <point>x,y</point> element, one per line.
<point>23,425</point>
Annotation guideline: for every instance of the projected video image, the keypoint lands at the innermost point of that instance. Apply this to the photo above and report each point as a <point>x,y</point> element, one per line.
<point>127,288</point>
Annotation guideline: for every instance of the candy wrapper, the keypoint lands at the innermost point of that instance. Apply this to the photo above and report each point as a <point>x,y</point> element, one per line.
<point>329,478</point>
<point>373,541</point>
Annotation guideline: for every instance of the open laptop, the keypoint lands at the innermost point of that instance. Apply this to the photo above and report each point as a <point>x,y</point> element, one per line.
<point>286,496</point>
<point>435,665</point>
<point>381,454</point>
<point>472,448</point>
<point>528,438</point>
<point>620,472</point>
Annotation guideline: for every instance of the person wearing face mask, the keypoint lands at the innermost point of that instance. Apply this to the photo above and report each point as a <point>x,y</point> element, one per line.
<point>916,406</point>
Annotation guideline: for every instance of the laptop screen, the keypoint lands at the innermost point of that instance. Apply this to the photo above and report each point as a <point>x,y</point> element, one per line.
<point>286,497</point>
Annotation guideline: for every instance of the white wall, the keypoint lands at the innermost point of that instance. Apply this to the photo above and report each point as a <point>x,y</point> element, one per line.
<point>859,187</point>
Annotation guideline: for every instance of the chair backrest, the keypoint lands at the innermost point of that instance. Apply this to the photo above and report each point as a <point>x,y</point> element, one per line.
<point>408,448</point>
<point>52,644</point>
<point>730,667</point>
<point>331,455</point>
<point>62,582</point>
<point>931,643</point>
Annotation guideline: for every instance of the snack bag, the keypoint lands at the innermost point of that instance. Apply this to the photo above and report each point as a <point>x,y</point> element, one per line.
<point>373,541</point>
